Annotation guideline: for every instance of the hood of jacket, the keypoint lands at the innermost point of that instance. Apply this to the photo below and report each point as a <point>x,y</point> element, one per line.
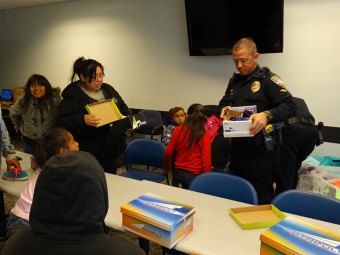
<point>70,200</point>
<point>73,90</point>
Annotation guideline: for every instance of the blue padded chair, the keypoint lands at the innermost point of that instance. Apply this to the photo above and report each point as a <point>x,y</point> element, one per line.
<point>145,152</point>
<point>309,204</point>
<point>226,186</point>
<point>221,185</point>
<point>154,123</point>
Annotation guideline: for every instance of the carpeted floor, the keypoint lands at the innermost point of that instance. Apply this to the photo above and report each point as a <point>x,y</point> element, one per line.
<point>155,249</point>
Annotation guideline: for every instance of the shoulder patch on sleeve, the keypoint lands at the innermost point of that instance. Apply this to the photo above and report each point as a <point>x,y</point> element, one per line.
<point>276,79</point>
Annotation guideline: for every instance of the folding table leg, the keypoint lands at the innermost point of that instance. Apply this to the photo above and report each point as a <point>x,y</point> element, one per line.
<point>3,230</point>
<point>144,244</point>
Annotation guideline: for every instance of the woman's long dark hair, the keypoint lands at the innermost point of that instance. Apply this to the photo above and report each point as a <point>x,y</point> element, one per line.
<point>86,67</point>
<point>46,102</point>
<point>196,123</point>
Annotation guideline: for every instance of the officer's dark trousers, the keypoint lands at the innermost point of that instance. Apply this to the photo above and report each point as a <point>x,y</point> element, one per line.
<point>298,142</point>
<point>253,162</point>
<point>220,152</point>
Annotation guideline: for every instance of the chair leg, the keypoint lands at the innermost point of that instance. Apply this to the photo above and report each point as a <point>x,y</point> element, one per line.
<point>167,179</point>
<point>144,244</point>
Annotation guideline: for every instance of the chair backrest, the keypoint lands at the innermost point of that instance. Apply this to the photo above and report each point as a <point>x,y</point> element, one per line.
<point>226,186</point>
<point>154,123</point>
<point>309,204</point>
<point>211,109</point>
<point>145,152</point>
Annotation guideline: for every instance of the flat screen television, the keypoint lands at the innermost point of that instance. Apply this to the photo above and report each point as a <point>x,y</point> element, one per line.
<point>215,25</point>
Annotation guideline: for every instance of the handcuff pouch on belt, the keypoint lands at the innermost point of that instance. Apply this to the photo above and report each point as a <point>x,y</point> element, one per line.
<point>272,135</point>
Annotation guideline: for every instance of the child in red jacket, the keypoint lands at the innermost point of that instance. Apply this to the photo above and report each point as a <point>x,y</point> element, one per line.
<point>191,144</point>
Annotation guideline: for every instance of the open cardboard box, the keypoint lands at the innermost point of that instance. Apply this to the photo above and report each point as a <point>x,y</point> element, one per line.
<point>108,113</point>
<point>237,128</point>
<point>106,110</point>
<point>259,216</point>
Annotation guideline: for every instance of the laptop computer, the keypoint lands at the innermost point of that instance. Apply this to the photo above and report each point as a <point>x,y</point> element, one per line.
<point>6,95</point>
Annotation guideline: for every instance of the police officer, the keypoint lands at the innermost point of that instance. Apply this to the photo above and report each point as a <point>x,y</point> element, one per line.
<point>300,135</point>
<point>250,158</point>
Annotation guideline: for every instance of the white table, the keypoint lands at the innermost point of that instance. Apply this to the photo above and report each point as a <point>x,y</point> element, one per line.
<point>215,232</point>
<point>116,185</point>
<point>14,188</point>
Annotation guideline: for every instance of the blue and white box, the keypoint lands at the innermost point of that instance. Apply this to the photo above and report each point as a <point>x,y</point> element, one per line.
<point>295,236</point>
<point>238,128</point>
<point>158,219</point>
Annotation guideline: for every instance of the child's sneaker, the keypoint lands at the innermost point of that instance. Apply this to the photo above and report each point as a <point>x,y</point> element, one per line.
<point>15,174</point>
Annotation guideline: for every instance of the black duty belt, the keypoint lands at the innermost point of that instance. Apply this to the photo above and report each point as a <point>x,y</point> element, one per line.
<point>302,120</point>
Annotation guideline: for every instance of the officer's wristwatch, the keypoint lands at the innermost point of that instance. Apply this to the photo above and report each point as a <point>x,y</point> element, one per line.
<point>268,115</point>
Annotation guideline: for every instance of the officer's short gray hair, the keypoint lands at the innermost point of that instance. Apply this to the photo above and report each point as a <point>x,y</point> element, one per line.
<point>245,43</point>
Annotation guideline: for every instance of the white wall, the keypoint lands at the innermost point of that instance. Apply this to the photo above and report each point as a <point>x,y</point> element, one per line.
<point>144,49</point>
<point>141,43</point>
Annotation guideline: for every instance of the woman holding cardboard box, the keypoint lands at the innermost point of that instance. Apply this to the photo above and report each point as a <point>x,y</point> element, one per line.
<point>89,88</point>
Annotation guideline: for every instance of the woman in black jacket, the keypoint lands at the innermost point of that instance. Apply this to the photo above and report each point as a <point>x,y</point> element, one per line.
<point>101,142</point>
